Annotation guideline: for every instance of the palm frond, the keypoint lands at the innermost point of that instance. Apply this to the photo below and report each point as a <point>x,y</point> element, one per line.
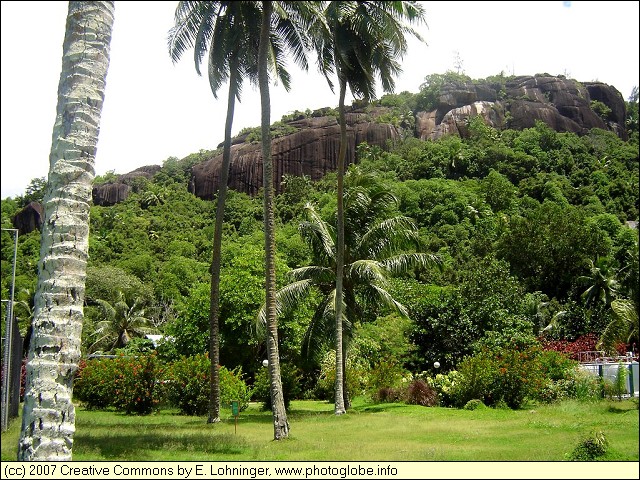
<point>405,262</point>
<point>388,236</point>
<point>287,298</point>
<point>320,330</point>
<point>623,326</point>
<point>366,271</point>
<point>319,275</point>
<point>318,233</point>
<point>376,293</point>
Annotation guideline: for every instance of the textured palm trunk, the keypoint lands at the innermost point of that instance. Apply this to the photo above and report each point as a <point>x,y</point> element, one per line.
<point>48,421</point>
<point>214,312</point>
<point>345,390</point>
<point>280,423</point>
<point>339,389</point>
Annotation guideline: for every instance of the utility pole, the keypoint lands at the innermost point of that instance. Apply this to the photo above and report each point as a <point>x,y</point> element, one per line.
<point>8,339</point>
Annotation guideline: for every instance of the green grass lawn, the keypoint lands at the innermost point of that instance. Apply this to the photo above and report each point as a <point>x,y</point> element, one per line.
<point>380,432</point>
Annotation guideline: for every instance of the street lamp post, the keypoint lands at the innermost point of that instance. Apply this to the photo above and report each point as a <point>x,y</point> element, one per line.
<point>8,339</point>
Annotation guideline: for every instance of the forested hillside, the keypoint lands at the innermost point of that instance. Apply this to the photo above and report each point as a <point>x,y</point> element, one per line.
<point>534,230</point>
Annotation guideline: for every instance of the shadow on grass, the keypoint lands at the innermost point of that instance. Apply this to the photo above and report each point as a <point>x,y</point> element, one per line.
<point>619,409</point>
<point>378,407</point>
<point>136,446</point>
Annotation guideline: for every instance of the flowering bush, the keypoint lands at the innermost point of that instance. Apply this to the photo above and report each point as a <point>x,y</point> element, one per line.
<point>502,375</point>
<point>128,384</point>
<point>187,385</point>
<point>136,384</point>
<point>584,343</point>
<point>94,383</point>
<point>443,385</point>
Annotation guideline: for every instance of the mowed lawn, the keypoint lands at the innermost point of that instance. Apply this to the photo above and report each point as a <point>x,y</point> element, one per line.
<point>368,432</point>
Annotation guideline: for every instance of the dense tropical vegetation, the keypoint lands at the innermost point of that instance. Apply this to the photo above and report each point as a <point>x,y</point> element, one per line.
<point>540,259</point>
<point>471,269</point>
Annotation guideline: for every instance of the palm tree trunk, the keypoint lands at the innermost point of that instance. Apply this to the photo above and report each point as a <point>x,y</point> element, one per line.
<point>214,312</point>
<point>48,421</point>
<point>345,390</point>
<point>339,394</point>
<point>280,423</point>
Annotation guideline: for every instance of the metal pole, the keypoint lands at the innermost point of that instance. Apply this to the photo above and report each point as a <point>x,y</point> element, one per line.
<point>8,340</point>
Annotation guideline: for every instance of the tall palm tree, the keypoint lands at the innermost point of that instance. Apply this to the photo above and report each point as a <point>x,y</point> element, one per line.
<point>286,25</point>
<point>230,32</point>
<point>376,242</point>
<point>48,421</point>
<point>359,41</point>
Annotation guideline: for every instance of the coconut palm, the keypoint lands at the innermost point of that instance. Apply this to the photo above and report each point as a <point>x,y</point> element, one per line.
<point>376,242</point>
<point>623,327</point>
<point>603,287</point>
<point>229,31</point>
<point>121,321</point>
<point>48,420</point>
<point>285,23</point>
<point>358,41</point>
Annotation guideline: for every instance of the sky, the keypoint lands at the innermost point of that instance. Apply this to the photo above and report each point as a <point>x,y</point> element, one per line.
<point>155,109</point>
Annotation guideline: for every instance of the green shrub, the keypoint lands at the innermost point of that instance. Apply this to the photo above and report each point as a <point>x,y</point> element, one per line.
<point>476,381</point>
<point>187,385</point>
<point>445,384</point>
<point>291,381</point>
<point>385,375</point>
<point>129,384</point>
<point>556,365</point>
<point>602,110</point>
<point>474,404</point>
<point>582,385</point>
<point>356,374</point>
<point>94,385</point>
<point>497,375</point>
<point>590,447</point>
<point>558,370</point>
<point>233,388</point>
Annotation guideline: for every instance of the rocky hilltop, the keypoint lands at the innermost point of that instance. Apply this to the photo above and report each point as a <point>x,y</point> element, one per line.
<point>312,150</point>
<point>565,105</point>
